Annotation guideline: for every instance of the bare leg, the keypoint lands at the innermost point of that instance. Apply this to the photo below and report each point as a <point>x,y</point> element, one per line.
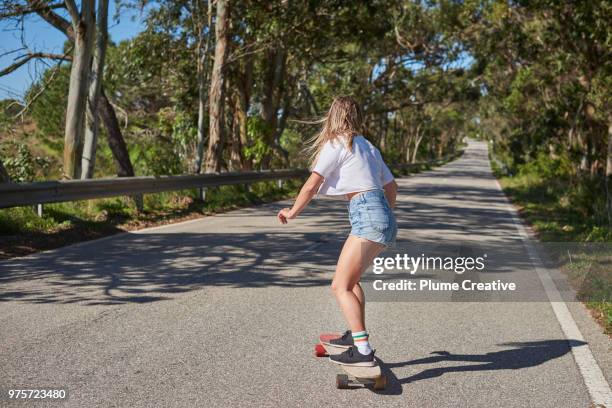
<point>358,291</point>
<point>356,256</point>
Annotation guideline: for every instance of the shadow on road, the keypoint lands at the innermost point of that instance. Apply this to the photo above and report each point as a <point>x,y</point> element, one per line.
<point>239,250</point>
<point>139,268</point>
<point>519,355</point>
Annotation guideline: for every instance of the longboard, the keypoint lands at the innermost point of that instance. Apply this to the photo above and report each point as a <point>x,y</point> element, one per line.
<point>354,375</point>
<point>324,348</point>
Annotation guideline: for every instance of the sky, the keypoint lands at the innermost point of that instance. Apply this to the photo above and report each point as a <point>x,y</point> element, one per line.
<point>40,36</point>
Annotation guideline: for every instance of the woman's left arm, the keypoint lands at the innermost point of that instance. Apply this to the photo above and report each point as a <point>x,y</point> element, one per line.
<point>308,191</point>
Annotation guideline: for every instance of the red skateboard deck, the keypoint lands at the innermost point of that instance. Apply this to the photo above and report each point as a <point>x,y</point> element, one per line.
<point>320,351</point>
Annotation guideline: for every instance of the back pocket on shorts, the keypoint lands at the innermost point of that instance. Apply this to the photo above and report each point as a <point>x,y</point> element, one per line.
<point>379,218</point>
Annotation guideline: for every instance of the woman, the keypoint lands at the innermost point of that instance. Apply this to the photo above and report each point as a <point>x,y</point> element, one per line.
<point>347,164</point>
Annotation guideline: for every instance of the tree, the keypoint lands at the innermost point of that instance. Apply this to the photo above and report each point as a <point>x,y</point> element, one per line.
<point>203,50</point>
<point>217,86</point>
<point>608,180</point>
<point>79,32</point>
<point>95,86</point>
<point>83,26</point>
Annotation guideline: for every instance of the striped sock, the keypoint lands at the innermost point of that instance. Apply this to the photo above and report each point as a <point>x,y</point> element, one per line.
<point>361,340</point>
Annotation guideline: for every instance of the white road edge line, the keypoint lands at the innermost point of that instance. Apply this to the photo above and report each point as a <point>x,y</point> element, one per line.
<point>593,377</point>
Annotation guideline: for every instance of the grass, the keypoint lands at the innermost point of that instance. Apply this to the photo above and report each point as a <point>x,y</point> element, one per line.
<point>565,209</point>
<point>550,206</point>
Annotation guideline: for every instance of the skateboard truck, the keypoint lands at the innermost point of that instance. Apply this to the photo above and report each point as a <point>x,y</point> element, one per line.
<point>354,375</point>
<point>358,375</point>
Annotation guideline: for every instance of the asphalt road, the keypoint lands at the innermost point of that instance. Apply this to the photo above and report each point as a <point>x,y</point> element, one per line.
<point>225,311</point>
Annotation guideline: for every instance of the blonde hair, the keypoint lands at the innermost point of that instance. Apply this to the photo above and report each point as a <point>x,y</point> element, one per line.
<point>344,119</point>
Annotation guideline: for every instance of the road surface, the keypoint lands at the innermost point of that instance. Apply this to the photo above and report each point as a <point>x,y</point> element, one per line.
<point>225,311</point>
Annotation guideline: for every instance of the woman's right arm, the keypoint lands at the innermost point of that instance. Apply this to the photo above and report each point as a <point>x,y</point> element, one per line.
<point>308,191</point>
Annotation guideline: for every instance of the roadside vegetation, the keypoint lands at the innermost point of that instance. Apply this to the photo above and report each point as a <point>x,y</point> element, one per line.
<point>569,215</point>
<point>546,112</point>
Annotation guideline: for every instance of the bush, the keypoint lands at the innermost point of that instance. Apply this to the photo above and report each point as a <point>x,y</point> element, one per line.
<point>21,165</point>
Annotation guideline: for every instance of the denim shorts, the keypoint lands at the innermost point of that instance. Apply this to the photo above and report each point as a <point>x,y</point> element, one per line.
<point>372,218</point>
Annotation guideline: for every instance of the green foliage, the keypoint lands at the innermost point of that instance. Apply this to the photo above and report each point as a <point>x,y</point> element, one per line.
<point>21,165</point>
<point>8,109</point>
<point>152,158</point>
<point>293,143</point>
<point>545,167</point>
<point>561,205</point>
<point>23,219</point>
<point>258,133</point>
<point>546,81</point>
<point>603,310</point>
<point>48,109</point>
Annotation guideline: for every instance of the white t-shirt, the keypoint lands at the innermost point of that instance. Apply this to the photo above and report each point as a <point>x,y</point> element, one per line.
<point>348,172</point>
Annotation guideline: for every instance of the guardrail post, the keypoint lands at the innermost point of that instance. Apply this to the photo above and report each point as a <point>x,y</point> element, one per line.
<point>202,194</point>
<point>139,202</point>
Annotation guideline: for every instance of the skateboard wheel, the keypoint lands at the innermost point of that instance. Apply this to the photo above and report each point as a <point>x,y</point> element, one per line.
<point>380,383</point>
<point>320,351</point>
<point>342,381</point>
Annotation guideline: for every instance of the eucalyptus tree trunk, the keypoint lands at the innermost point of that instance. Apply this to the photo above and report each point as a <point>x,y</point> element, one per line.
<point>203,51</point>
<point>216,94</point>
<point>273,89</point>
<point>414,132</point>
<point>242,98</point>
<point>116,143</point>
<point>280,128</point>
<point>274,86</point>
<point>238,121</point>
<point>417,143</point>
<point>407,148</point>
<point>609,158</point>
<point>92,121</point>
<point>608,179</point>
<point>83,24</point>
<point>4,176</point>
<point>236,161</point>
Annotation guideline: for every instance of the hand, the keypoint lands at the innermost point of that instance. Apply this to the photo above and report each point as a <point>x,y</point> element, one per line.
<point>284,215</point>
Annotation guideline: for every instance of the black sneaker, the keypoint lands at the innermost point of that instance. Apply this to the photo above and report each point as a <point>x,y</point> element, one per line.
<point>346,340</point>
<point>353,357</point>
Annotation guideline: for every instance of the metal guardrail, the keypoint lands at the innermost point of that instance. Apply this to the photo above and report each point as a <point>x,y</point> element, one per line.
<point>22,194</point>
